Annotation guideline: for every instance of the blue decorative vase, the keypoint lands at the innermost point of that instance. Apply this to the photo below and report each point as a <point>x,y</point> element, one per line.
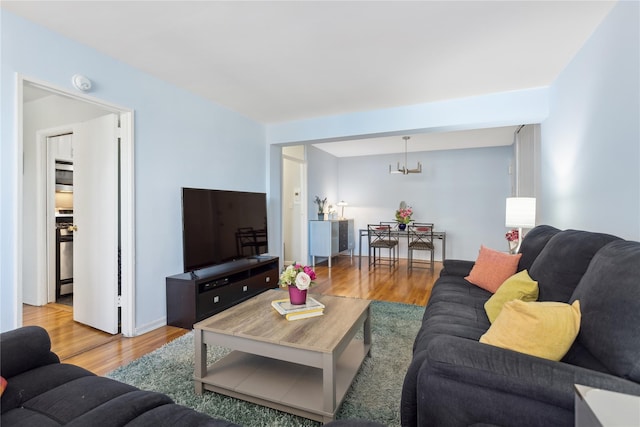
<point>402,226</point>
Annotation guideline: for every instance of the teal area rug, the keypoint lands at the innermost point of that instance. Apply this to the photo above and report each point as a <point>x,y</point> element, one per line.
<point>374,394</point>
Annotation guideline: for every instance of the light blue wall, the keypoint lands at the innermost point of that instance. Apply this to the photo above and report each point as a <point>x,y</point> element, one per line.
<point>462,192</point>
<point>493,110</point>
<point>591,140</point>
<point>180,140</point>
<point>322,179</point>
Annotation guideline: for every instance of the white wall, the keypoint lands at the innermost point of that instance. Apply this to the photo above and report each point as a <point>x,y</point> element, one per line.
<point>180,140</point>
<point>591,140</point>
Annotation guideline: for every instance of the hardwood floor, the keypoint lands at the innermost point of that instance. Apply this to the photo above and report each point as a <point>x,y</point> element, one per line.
<point>100,352</point>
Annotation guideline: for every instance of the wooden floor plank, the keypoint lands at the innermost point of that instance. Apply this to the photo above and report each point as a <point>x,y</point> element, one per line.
<point>100,352</point>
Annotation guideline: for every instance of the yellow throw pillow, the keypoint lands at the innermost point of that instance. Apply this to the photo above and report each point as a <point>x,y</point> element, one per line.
<point>519,286</point>
<point>542,329</point>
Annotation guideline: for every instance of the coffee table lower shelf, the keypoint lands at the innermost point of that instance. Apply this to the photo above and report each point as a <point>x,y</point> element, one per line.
<point>282,385</point>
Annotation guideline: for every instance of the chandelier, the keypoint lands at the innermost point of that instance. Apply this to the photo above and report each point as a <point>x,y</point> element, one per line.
<point>404,170</point>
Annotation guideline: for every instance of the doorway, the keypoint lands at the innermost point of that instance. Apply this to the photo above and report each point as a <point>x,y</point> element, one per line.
<point>59,150</point>
<point>294,203</point>
<point>43,109</point>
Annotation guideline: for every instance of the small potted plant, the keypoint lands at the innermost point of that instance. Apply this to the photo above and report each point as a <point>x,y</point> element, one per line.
<point>321,204</point>
<point>297,279</point>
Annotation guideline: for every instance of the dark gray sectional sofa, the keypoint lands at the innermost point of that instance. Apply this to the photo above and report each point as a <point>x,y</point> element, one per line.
<point>43,392</point>
<point>454,380</point>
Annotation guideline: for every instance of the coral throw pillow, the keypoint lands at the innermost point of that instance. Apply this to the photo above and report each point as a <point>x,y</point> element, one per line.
<point>519,286</point>
<point>492,268</point>
<point>3,385</point>
<point>542,329</point>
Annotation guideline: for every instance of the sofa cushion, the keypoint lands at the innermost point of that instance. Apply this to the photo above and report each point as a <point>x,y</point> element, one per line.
<point>177,415</point>
<point>519,286</point>
<point>533,243</point>
<point>25,348</point>
<point>27,417</point>
<point>456,307</point>
<point>542,329</point>
<point>563,261</point>
<point>77,397</point>
<point>492,268</point>
<point>33,383</point>
<point>121,409</point>
<point>609,295</point>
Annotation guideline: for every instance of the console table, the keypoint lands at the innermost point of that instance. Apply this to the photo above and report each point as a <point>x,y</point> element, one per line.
<point>437,235</point>
<point>329,238</point>
<point>194,296</point>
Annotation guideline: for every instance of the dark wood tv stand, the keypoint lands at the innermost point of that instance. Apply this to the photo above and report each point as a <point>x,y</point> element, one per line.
<point>194,296</point>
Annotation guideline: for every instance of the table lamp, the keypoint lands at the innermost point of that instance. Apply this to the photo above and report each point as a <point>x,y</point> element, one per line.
<point>342,204</point>
<point>520,213</point>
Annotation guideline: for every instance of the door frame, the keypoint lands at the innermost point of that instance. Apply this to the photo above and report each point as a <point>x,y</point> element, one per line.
<point>301,234</point>
<point>127,205</point>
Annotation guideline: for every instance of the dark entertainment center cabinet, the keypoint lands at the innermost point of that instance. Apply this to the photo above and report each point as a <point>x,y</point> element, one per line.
<point>192,297</point>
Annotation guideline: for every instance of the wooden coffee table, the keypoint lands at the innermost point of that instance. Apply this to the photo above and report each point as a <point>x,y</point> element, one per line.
<point>303,367</point>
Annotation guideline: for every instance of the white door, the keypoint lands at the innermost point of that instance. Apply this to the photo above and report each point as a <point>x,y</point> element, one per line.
<point>95,214</point>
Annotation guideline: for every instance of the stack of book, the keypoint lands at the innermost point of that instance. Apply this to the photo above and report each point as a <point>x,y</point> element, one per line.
<point>312,308</point>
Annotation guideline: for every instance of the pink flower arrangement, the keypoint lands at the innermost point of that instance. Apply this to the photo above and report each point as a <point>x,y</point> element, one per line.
<point>300,275</point>
<point>512,235</point>
<point>403,215</point>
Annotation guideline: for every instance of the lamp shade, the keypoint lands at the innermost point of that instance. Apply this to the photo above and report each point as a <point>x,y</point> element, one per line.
<point>521,212</point>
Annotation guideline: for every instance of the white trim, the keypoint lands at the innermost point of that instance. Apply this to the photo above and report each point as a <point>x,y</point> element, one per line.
<point>59,90</point>
<point>45,218</point>
<point>151,326</point>
<point>127,225</point>
<point>127,220</point>
<point>17,203</point>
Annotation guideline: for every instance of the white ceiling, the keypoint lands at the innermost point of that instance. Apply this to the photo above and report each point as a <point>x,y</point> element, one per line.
<point>276,61</point>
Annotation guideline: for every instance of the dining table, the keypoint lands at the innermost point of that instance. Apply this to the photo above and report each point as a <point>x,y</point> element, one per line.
<point>437,235</point>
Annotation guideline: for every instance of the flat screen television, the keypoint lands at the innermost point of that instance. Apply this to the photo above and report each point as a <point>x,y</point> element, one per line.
<point>219,226</point>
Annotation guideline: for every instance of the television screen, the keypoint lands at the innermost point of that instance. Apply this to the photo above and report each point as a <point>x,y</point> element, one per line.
<point>220,226</point>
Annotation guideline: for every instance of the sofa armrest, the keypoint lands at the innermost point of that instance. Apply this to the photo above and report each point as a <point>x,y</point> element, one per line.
<point>488,384</point>
<point>456,267</point>
<point>24,349</point>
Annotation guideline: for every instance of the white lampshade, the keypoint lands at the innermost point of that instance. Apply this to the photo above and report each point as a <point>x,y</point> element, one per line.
<point>521,212</point>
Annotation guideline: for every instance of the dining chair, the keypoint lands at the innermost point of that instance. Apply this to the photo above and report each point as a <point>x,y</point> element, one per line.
<point>420,238</point>
<point>381,236</point>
